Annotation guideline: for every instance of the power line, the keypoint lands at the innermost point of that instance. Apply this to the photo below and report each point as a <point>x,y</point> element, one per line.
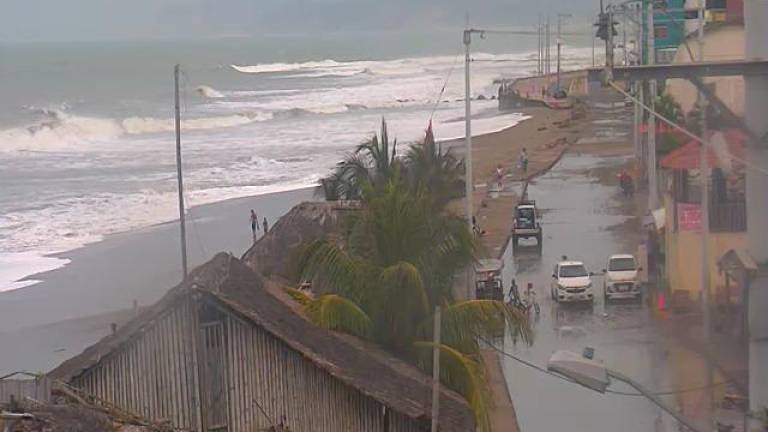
<point>445,84</point>
<point>685,131</point>
<point>185,108</point>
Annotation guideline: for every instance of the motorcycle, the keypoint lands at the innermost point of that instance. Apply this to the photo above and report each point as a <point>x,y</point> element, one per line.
<point>627,185</point>
<point>523,305</point>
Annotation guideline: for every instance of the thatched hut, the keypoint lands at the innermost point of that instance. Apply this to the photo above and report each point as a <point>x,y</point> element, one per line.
<point>223,351</point>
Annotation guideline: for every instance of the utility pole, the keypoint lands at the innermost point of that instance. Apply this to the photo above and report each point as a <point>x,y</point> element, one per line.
<point>547,66</point>
<point>624,37</point>
<point>468,132</point>
<point>653,198</point>
<point>756,105</point>
<point>538,46</point>
<point>559,43</point>
<point>640,87</point>
<point>636,108</point>
<point>609,41</point>
<point>704,173</point>
<point>436,372</point>
<point>178,171</point>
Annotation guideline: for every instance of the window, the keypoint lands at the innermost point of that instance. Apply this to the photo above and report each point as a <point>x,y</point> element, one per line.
<point>716,4</point>
<point>574,270</point>
<point>622,264</point>
<point>660,32</point>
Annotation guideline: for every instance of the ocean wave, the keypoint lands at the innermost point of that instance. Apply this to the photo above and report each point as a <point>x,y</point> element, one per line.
<point>148,125</point>
<point>283,67</point>
<point>209,92</point>
<point>61,131</point>
<point>333,73</point>
<point>58,130</point>
<point>260,93</point>
<point>299,112</point>
<point>333,68</point>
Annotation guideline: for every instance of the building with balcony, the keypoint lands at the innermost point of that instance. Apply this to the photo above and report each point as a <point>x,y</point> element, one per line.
<point>683,214</point>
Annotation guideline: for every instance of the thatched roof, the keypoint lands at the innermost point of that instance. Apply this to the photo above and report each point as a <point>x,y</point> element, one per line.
<point>227,281</point>
<point>272,254</point>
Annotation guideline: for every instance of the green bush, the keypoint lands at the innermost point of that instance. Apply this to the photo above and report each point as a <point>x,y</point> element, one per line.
<point>668,142</point>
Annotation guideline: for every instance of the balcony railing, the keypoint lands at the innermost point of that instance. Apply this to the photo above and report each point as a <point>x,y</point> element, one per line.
<point>728,217</point>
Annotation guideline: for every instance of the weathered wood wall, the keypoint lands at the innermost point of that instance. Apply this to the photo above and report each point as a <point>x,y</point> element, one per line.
<point>38,389</point>
<point>154,374</point>
<point>160,373</point>
<point>264,371</point>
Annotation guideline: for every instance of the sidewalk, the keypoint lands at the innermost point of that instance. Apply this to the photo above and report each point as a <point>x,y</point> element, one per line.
<point>546,136</point>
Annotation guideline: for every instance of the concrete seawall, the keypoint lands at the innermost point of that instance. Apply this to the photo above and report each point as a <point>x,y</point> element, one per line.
<point>538,90</point>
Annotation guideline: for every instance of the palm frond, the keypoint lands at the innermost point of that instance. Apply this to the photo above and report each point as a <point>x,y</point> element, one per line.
<point>329,266</point>
<point>464,375</point>
<point>333,312</point>
<point>299,296</point>
<point>402,304</point>
<point>463,322</point>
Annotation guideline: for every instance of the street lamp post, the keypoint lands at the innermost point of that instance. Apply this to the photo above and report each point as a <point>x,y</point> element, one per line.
<point>594,375</point>
<point>560,17</point>
<point>467,39</point>
<point>468,129</point>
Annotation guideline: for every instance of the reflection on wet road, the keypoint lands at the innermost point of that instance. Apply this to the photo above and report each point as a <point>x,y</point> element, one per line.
<point>585,220</point>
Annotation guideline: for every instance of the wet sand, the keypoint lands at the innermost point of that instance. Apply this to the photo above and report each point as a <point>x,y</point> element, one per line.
<point>544,136</point>
<point>108,276</point>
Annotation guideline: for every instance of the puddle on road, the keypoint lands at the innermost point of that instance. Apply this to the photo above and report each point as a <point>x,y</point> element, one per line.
<point>584,217</point>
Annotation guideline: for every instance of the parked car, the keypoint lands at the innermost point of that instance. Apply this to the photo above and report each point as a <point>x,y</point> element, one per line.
<point>526,223</point>
<point>621,278</point>
<point>571,282</point>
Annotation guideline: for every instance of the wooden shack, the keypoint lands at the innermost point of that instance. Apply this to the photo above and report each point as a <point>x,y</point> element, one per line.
<point>223,352</point>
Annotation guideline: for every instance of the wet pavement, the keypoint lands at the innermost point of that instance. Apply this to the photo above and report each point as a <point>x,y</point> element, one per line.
<point>586,218</point>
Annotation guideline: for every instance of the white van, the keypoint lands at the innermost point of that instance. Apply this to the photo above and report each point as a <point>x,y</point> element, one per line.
<point>621,278</point>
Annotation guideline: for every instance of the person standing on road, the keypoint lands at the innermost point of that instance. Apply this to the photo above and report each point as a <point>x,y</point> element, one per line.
<point>254,223</point>
<point>266,227</point>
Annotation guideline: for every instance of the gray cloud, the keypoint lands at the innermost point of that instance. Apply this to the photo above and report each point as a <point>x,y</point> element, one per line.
<point>110,19</point>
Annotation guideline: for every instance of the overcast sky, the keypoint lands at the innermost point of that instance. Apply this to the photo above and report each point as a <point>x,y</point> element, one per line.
<point>142,19</point>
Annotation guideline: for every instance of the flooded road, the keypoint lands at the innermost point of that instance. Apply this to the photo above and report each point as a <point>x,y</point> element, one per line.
<point>587,220</point>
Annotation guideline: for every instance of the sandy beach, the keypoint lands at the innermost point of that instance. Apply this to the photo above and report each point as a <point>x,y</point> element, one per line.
<point>70,309</point>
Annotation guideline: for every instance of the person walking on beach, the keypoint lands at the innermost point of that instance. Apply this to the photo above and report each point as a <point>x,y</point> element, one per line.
<point>499,175</point>
<point>266,227</point>
<point>523,161</point>
<point>254,223</point>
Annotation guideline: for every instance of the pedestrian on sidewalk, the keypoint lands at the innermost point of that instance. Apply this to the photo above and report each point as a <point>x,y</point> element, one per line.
<point>254,224</point>
<point>266,227</point>
<point>523,161</point>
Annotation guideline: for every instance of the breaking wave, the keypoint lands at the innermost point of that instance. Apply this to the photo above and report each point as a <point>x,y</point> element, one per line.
<point>284,67</point>
<point>60,131</point>
<point>209,92</point>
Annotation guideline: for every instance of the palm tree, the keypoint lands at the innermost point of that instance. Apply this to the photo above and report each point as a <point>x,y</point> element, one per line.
<point>396,265</point>
<point>667,106</point>
<point>438,171</point>
<point>370,165</point>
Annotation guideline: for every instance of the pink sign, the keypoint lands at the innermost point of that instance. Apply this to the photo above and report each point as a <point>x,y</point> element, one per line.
<point>688,217</point>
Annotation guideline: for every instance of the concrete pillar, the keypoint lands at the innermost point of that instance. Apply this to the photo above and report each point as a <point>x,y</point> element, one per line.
<point>756,109</point>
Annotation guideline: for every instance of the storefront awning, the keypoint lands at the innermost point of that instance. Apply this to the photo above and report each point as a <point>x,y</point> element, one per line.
<point>725,148</point>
